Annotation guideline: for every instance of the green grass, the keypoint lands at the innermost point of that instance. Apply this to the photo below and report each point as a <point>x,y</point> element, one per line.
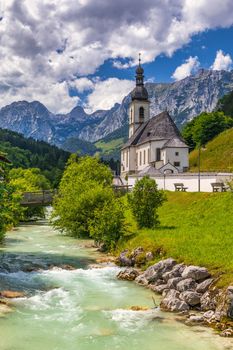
<point>196,228</point>
<point>218,155</point>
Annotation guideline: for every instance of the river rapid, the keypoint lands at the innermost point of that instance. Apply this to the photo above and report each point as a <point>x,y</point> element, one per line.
<point>82,309</point>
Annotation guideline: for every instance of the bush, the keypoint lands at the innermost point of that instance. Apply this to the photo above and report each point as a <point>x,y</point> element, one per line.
<point>144,201</point>
<point>86,205</point>
<point>107,226</point>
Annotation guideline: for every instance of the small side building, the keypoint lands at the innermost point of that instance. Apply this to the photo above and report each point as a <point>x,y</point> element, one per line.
<point>155,144</point>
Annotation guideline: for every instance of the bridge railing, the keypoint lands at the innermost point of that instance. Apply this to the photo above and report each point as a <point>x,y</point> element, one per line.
<point>38,197</point>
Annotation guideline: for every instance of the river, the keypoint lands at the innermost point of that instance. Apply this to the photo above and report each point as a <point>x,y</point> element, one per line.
<point>82,309</point>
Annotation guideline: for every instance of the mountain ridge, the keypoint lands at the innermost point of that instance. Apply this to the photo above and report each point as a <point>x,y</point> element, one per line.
<point>183,99</point>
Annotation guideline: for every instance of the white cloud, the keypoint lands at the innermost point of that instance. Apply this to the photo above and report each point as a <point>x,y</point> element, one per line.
<point>47,44</point>
<point>82,84</point>
<point>222,61</point>
<point>187,68</point>
<point>108,92</point>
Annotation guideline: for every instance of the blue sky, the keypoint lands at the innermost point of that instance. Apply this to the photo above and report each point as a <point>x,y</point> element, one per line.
<point>84,52</point>
<point>203,45</point>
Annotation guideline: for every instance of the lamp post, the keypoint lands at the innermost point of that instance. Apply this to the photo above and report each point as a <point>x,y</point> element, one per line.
<point>199,168</point>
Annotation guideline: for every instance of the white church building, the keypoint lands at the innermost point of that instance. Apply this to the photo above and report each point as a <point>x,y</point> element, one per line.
<point>155,144</point>
<point>156,148</point>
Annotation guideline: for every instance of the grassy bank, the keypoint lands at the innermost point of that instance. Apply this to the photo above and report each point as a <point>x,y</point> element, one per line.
<point>196,228</point>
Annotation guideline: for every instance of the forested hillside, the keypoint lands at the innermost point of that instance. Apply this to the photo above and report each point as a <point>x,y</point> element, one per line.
<point>29,153</point>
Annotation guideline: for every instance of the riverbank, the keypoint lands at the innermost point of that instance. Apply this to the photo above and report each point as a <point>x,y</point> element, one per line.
<point>197,232</point>
<point>196,228</point>
<point>84,307</point>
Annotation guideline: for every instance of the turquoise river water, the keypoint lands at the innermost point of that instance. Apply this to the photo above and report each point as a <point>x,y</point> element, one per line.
<point>86,308</point>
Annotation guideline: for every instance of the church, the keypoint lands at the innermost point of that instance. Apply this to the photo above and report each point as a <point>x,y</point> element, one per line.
<point>155,145</point>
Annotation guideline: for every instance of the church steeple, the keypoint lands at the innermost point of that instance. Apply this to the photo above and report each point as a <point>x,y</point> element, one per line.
<point>139,111</point>
<point>140,92</point>
<point>139,73</point>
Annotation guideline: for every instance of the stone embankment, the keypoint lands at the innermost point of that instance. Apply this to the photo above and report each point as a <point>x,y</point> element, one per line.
<point>188,290</point>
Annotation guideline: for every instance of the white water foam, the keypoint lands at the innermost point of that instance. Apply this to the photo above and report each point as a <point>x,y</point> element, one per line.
<point>131,320</point>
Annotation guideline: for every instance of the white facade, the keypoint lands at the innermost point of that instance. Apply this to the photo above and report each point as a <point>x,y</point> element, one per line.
<point>139,112</point>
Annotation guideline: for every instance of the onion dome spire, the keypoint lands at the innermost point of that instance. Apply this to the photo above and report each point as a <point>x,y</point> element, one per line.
<point>139,92</point>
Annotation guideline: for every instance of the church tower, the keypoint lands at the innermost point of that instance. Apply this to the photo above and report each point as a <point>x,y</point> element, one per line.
<point>139,109</point>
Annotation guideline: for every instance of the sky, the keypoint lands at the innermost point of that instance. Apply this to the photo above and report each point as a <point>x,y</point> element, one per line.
<point>65,53</point>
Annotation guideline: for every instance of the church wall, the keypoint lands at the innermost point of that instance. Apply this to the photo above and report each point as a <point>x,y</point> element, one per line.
<point>177,155</point>
<point>142,156</point>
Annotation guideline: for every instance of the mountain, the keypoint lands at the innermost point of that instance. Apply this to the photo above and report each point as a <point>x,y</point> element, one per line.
<point>183,99</point>
<point>217,154</point>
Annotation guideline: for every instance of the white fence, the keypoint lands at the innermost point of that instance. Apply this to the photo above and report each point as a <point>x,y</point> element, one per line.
<point>190,180</point>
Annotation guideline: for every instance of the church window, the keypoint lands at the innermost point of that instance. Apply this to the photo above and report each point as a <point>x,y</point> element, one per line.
<point>131,115</point>
<point>148,154</point>
<point>158,154</point>
<point>123,156</point>
<point>177,153</point>
<point>127,159</point>
<point>140,162</point>
<point>144,156</point>
<point>141,114</point>
<point>176,163</point>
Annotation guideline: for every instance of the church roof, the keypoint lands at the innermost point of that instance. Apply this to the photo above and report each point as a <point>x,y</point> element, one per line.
<point>175,143</point>
<point>160,127</point>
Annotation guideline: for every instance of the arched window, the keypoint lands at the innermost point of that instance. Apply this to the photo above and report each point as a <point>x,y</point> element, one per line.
<point>131,115</point>
<point>141,114</point>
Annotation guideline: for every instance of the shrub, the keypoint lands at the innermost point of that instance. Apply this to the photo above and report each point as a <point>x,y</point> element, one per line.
<point>107,225</point>
<point>144,201</point>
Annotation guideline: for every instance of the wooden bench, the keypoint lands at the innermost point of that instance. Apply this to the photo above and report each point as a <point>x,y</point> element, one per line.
<point>219,187</point>
<point>180,187</point>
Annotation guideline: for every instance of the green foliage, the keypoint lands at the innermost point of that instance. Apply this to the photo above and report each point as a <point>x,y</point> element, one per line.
<point>217,155</point>
<point>107,226</point>
<point>26,180</point>
<point>205,127</point>
<point>225,104</point>
<point>144,201</point>
<point>27,152</point>
<point>10,209</point>
<point>86,205</point>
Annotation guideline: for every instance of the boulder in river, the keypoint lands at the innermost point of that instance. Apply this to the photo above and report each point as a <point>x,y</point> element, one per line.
<point>191,298</point>
<point>128,274</point>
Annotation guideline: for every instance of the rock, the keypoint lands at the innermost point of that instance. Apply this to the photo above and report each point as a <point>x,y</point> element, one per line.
<point>209,315</point>
<point>204,286</point>
<point>156,271</point>
<point>9,294</point>
<point>149,256</point>
<point>225,303</point>
<point>159,289</point>
<point>141,279</point>
<point>175,272</point>
<point>194,319</point>
<point>172,282</point>
<point>191,298</point>
<point>186,284</point>
<point>128,274</point>
<point>124,260</point>
<point>227,333</point>
<point>137,251</point>
<point>209,300</point>
<point>195,272</point>
<point>171,302</point>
